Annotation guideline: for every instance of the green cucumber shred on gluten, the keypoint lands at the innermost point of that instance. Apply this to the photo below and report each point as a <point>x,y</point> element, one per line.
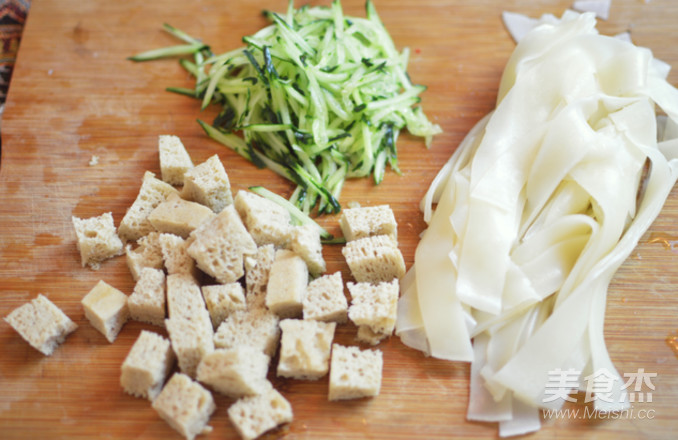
<point>317,96</point>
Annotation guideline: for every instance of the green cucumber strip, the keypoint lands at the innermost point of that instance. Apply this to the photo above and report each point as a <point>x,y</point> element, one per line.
<point>266,127</point>
<point>182,91</point>
<point>164,52</point>
<point>181,35</point>
<point>232,141</point>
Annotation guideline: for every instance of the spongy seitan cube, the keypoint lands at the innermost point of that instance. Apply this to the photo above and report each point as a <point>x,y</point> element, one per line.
<point>106,309</point>
<point>189,325</point>
<point>374,305</point>
<point>257,269</point>
<point>42,324</point>
<point>153,192</point>
<point>256,328</point>
<point>147,301</point>
<point>287,283</point>
<point>174,250</point>
<point>97,240</point>
<point>305,241</point>
<point>366,335</point>
<point>325,299</point>
<point>185,300</point>
<point>191,341</point>
<point>178,216</point>
<point>147,254</point>
<point>361,222</point>
<point>208,184</point>
<point>354,373</point>
<point>374,259</point>
<point>235,372</point>
<point>174,159</point>
<point>222,300</point>
<point>185,405</point>
<point>254,415</point>
<point>147,365</point>
<point>266,221</point>
<point>305,348</point>
<point>220,245</point>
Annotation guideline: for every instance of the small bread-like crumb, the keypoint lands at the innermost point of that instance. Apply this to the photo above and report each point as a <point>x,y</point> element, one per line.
<point>235,372</point>
<point>146,366</point>
<point>354,373</point>
<point>305,348</point>
<point>325,299</point>
<point>287,283</point>
<point>147,301</point>
<point>174,159</point>
<point>97,240</point>
<point>253,416</point>
<point>374,259</point>
<point>208,184</point>
<point>222,300</point>
<point>106,309</point>
<point>42,324</point>
<point>185,405</point>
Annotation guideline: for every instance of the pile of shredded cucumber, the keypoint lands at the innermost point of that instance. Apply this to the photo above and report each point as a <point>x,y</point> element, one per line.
<point>317,96</point>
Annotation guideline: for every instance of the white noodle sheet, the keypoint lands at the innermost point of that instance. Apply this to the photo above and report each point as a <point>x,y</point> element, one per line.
<point>535,212</point>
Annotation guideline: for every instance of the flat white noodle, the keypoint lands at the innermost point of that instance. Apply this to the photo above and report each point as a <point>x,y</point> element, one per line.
<point>600,7</point>
<point>536,210</point>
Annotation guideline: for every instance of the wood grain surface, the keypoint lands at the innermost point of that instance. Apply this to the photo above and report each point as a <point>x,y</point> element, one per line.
<point>74,95</point>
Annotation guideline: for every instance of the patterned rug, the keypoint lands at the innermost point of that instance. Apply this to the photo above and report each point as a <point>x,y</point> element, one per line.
<point>12,17</point>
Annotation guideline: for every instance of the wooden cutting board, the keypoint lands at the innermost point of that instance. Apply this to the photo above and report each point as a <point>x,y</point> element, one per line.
<point>74,96</point>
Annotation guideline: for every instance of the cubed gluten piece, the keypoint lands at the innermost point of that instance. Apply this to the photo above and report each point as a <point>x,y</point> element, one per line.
<point>374,259</point>
<point>174,159</point>
<point>97,239</point>
<point>189,325</point>
<point>191,341</point>
<point>185,405</point>
<point>153,192</point>
<point>147,365</point>
<point>366,335</point>
<point>208,184</point>
<point>222,300</point>
<point>235,372</point>
<point>178,216</point>
<point>257,269</point>
<point>305,241</point>
<point>106,309</point>
<point>361,222</point>
<point>266,221</point>
<point>256,328</point>
<point>305,348</point>
<point>254,415</point>
<point>219,246</point>
<point>42,324</point>
<point>174,250</point>
<point>147,301</point>
<point>147,254</point>
<point>374,306</point>
<point>354,373</point>
<point>287,283</point>
<point>185,300</point>
<point>325,299</point>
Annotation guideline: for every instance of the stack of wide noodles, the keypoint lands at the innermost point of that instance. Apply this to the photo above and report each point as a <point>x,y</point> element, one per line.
<point>537,208</point>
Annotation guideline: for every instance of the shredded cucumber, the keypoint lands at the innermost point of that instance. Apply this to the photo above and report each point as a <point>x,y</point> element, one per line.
<point>318,97</point>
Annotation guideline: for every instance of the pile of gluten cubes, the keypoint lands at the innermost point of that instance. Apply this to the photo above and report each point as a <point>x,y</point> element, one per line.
<point>267,291</point>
